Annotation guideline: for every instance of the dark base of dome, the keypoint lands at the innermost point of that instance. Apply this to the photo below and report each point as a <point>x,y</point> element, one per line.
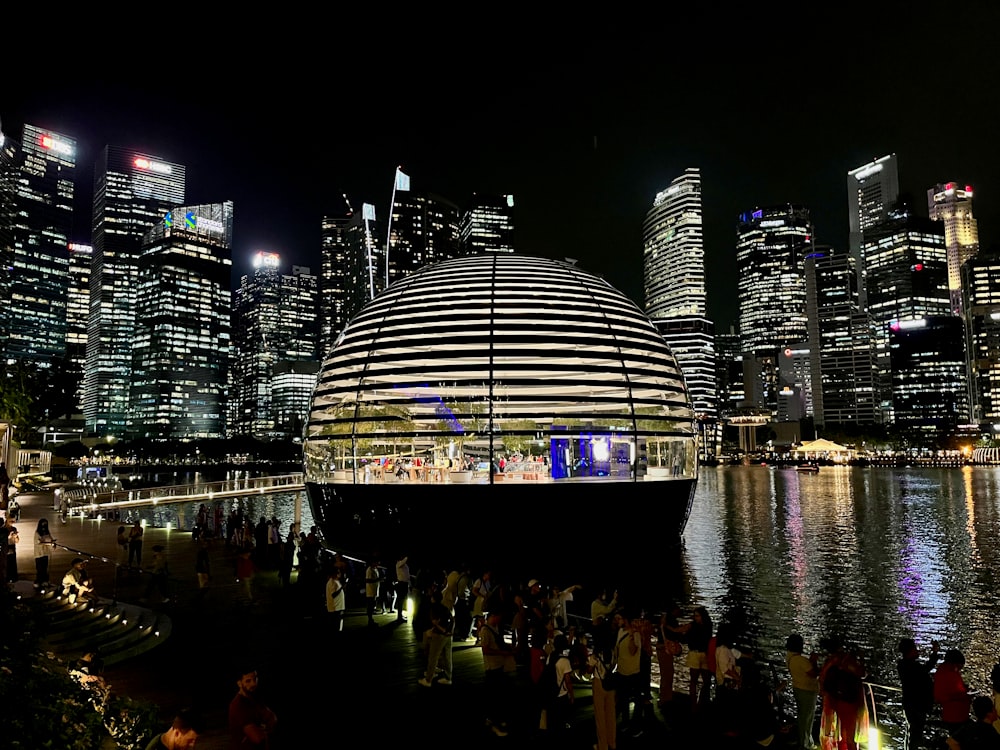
<point>562,532</point>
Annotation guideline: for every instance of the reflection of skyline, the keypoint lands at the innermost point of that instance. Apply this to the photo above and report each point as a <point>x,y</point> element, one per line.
<point>870,554</point>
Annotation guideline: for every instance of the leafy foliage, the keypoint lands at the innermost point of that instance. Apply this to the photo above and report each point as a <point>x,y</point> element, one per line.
<point>46,708</point>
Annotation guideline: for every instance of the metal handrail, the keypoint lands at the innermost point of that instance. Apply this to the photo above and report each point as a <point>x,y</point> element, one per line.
<point>193,491</point>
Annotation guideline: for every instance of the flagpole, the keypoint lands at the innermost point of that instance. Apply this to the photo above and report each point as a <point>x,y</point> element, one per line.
<point>400,182</point>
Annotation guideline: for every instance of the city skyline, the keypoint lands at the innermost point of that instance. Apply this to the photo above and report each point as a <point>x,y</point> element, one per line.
<point>584,140</point>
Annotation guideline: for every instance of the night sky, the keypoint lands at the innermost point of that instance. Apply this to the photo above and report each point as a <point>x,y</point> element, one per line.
<point>583,123</point>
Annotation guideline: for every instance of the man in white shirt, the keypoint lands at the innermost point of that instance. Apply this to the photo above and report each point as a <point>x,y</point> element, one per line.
<point>372,578</point>
<point>402,587</point>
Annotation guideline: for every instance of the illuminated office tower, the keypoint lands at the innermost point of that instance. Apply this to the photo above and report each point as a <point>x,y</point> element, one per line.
<point>981,288</point>
<point>929,387</point>
<point>673,252</point>
<point>424,230</point>
<point>8,211</point>
<point>487,225</point>
<point>132,192</point>
<point>292,385</point>
<point>181,348</point>
<point>795,395</point>
<point>692,341</point>
<point>907,273</point>
<point>771,245</point>
<point>77,310</point>
<point>872,191</point>
<point>275,321</point>
<point>365,260</point>
<point>729,373</point>
<point>952,205</point>
<point>39,275</point>
<point>840,347</point>
<point>335,279</point>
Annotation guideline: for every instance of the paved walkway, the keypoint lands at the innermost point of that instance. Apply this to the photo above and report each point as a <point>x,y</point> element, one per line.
<point>363,691</point>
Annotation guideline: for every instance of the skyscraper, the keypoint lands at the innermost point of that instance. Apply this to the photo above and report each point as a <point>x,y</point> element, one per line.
<point>872,191</point>
<point>487,225</point>
<point>43,222</point>
<point>424,230</point>
<point>674,284</point>
<point>840,346</point>
<point>132,192</point>
<point>77,310</point>
<point>952,205</point>
<point>929,389</point>
<point>335,279</point>
<point>180,355</point>
<point>771,244</point>
<point>981,285</point>
<point>673,251</point>
<point>907,274</point>
<point>275,321</point>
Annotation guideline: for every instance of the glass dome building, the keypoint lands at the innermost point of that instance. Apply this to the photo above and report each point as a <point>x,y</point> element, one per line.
<point>491,385</point>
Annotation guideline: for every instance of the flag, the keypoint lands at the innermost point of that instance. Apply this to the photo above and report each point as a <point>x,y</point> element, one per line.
<point>368,212</point>
<point>402,180</point>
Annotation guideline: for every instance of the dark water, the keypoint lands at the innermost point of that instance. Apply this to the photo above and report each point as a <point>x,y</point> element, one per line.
<point>868,554</point>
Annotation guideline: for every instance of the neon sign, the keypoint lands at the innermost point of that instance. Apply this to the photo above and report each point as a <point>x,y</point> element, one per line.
<point>47,141</point>
<point>153,166</point>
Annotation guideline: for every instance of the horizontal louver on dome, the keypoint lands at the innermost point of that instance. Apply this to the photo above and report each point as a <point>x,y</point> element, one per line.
<point>468,360</point>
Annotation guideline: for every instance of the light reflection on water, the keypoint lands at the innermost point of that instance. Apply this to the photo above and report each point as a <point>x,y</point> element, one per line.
<point>868,554</point>
<point>181,515</point>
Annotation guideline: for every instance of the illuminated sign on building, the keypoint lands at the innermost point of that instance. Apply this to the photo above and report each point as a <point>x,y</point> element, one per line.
<point>268,260</point>
<point>772,223</point>
<point>212,225</point>
<point>907,325</point>
<point>153,166</point>
<point>47,141</point>
<point>867,171</point>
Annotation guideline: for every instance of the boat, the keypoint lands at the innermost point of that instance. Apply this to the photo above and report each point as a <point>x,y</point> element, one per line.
<point>810,468</point>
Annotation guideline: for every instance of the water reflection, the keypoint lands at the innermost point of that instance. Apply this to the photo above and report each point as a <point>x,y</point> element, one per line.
<point>867,554</point>
<point>182,515</point>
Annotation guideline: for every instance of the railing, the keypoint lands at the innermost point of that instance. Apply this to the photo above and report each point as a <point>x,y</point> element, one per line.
<point>98,501</point>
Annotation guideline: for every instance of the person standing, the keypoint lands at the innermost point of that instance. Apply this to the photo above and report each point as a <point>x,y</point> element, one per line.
<point>336,601</point>
<point>43,551</point>
<point>627,655</point>
<point>918,689</point>
<point>182,734</point>
<point>402,587</point>
<point>6,529</point>
<point>372,578</point>
<point>246,569</point>
<point>805,687</point>
<point>841,680</point>
<point>439,643</point>
<point>601,665</point>
<point>203,566</point>
<point>950,690</point>
<point>251,723</point>
<point>667,647</point>
<point>159,577</point>
<point>698,633</point>
<point>496,653</point>
<point>135,544</point>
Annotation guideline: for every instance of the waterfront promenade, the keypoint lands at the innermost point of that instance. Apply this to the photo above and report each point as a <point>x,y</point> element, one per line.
<point>363,689</point>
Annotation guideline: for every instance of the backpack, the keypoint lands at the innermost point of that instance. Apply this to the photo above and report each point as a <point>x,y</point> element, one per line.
<point>549,684</point>
<point>842,684</point>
